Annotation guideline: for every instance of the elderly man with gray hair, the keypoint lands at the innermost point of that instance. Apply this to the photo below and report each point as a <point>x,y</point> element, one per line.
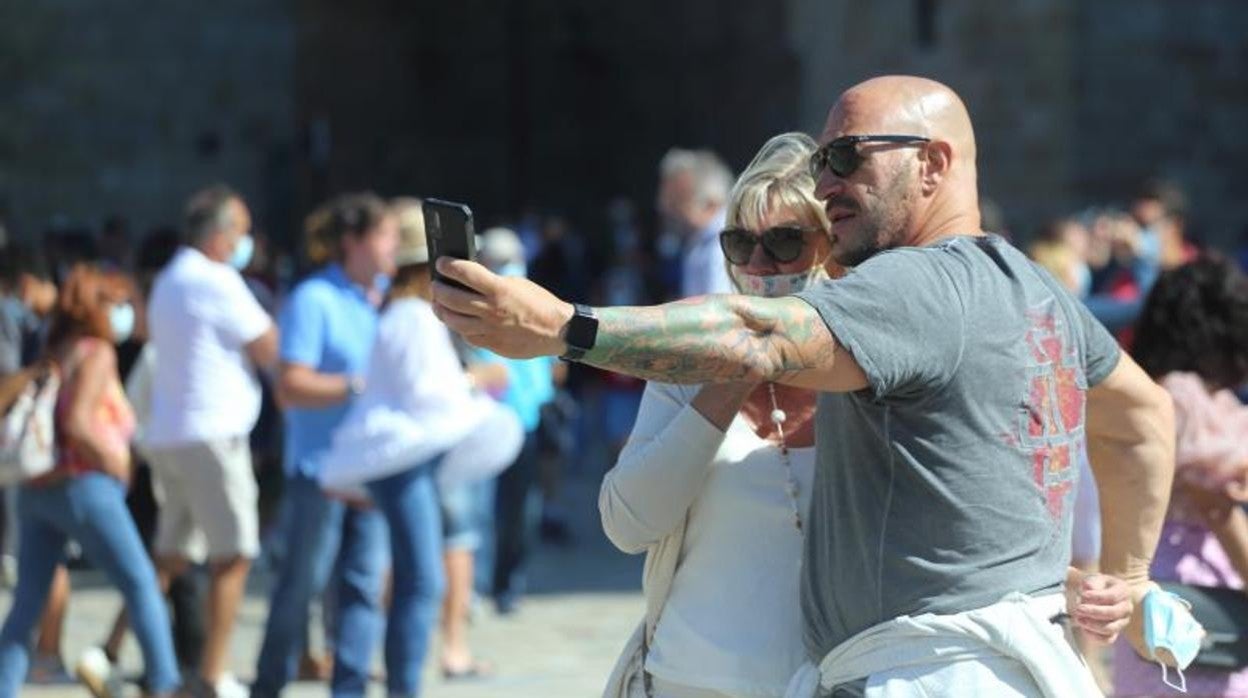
<point>693,194</point>
<point>209,333</point>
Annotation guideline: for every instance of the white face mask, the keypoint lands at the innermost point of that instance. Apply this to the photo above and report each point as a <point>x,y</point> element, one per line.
<point>778,285</point>
<point>242,253</point>
<point>121,320</point>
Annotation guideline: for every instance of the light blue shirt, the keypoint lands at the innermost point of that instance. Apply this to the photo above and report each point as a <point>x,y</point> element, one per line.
<point>530,384</point>
<point>328,324</point>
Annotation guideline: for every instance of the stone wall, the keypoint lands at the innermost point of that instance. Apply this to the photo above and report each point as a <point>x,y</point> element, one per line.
<point>1074,101</point>
<point>555,104</point>
<point>1163,89</point>
<point>1010,62</point>
<point>126,107</point>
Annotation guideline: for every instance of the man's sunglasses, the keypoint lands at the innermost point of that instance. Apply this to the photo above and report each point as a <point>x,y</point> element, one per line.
<point>783,243</point>
<point>841,155</point>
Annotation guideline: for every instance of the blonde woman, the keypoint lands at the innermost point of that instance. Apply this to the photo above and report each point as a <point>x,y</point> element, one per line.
<point>731,466</point>
<point>714,483</point>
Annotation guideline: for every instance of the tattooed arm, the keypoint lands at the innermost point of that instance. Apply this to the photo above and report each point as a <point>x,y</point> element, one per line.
<point>700,340</point>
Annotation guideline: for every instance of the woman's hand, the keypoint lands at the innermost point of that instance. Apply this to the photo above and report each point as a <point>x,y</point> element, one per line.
<point>1237,489</point>
<point>1098,604</point>
<point>719,403</point>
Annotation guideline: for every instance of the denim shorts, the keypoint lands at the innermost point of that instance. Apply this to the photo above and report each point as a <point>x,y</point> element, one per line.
<point>463,515</point>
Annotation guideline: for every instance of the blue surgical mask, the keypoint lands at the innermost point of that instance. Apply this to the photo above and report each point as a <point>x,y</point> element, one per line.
<point>1169,625</point>
<point>121,319</point>
<point>777,285</point>
<point>243,251</point>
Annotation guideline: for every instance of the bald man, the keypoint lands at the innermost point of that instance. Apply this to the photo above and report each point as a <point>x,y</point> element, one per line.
<point>961,386</point>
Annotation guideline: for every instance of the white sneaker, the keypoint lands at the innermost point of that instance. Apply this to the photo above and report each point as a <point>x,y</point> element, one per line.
<point>97,673</point>
<point>230,687</point>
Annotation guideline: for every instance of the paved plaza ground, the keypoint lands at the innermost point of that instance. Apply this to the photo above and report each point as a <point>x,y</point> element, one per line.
<point>560,644</point>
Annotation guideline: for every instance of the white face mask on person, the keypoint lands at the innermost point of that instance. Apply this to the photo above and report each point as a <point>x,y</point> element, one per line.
<point>778,285</point>
<point>121,320</point>
<point>243,252</point>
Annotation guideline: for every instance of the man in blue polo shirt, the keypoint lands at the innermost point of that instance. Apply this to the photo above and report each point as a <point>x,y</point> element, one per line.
<point>328,327</point>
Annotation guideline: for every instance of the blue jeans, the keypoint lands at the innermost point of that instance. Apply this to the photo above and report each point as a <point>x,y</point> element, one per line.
<point>90,509</point>
<point>409,502</point>
<point>319,531</point>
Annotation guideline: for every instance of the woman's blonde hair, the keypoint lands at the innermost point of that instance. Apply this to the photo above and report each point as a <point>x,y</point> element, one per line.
<point>778,177</point>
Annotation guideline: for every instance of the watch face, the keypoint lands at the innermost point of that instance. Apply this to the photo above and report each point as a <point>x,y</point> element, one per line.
<point>582,329</point>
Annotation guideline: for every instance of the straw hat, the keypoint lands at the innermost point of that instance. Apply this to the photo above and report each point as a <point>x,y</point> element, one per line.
<point>412,247</point>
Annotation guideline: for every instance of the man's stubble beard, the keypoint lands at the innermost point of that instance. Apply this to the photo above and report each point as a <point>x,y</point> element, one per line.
<point>885,227</point>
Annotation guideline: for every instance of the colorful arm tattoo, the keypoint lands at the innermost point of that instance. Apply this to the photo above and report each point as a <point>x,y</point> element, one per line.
<point>713,339</point>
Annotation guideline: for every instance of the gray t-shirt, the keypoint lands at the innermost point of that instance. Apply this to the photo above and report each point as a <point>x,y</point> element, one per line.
<point>949,482</point>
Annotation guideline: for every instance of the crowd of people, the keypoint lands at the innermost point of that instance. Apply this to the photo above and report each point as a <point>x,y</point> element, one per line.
<point>401,456</point>
<point>883,425</point>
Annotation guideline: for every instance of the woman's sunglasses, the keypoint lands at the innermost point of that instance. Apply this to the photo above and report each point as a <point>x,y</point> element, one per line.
<point>841,155</point>
<point>783,243</point>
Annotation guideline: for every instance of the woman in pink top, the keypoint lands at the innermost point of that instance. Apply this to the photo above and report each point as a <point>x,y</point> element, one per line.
<point>84,498</point>
<point>1193,338</point>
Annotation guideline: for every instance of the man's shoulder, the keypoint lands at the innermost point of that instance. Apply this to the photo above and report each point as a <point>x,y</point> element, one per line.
<point>317,285</point>
<point>191,270</point>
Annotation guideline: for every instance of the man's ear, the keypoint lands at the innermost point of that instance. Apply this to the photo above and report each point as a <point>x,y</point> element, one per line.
<point>935,162</point>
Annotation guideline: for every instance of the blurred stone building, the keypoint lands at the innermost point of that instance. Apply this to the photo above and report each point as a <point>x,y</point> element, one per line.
<point>125,107</point>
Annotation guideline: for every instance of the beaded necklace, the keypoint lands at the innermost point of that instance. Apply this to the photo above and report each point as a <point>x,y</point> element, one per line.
<point>778,417</point>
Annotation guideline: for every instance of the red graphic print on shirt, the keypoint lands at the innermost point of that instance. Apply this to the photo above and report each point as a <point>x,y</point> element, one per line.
<point>1053,410</point>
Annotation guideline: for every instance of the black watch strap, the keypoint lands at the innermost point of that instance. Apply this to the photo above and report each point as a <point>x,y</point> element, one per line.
<point>580,333</point>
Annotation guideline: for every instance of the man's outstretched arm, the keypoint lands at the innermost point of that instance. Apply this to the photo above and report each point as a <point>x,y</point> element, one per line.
<point>700,340</point>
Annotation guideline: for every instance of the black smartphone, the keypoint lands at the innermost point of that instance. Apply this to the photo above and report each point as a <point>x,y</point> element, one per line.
<point>448,233</point>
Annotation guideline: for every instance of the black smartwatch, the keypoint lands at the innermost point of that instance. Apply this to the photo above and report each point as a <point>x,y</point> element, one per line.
<point>580,333</point>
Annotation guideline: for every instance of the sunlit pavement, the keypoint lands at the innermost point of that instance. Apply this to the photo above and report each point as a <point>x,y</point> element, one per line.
<point>560,643</point>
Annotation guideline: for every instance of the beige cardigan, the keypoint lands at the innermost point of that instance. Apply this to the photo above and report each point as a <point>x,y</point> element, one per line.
<point>675,453</point>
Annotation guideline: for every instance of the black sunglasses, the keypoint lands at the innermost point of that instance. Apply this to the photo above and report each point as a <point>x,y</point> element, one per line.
<point>841,155</point>
<point>782,243</point>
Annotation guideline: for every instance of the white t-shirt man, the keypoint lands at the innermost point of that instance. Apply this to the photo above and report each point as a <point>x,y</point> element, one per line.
<point>202,317</point>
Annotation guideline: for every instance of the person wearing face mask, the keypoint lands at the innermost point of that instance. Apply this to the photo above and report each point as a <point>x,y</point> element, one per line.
<point>210,335</point>
<point>715,483</point>
<point>1192,338</point>
<point>720,474</point>
<point>524,386</point>
<point>83,498</point>
<point>28,297</point>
